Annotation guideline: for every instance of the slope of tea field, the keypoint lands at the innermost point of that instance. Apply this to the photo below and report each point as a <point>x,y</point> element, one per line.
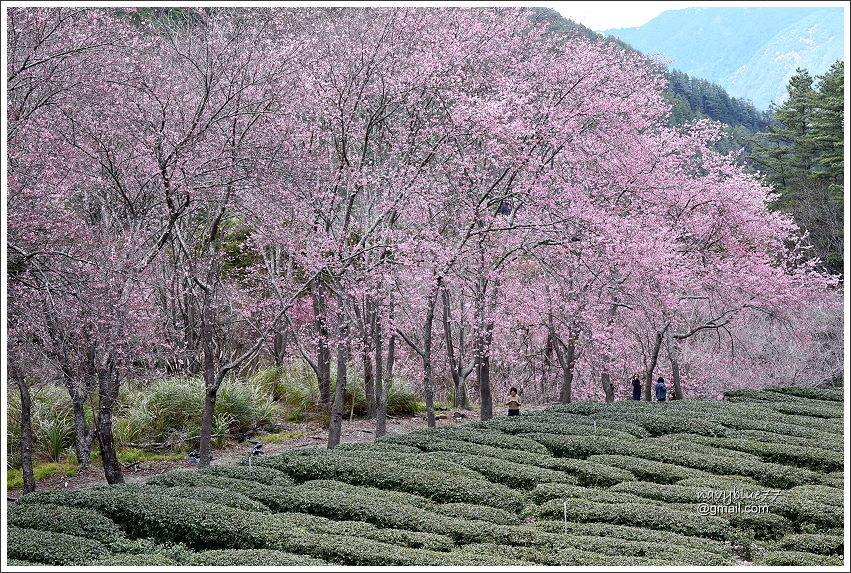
<point>755,478</point>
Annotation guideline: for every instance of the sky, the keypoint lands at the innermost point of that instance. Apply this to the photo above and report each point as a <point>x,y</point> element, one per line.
<point>606,15</point>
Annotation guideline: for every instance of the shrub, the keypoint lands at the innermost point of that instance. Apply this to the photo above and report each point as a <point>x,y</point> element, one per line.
<point>816,504</point>
<point>70,520</point>
<point>590,473</point>
<point>641,515</point>
<point>580,446</point>
<point>503,471</point>
<point>547,491</point>
<point>813,458</point>
<point>813,543</point>
<point>258,474</point>
<point>831,394</point>
<point>795,559</point>
<point>401,537</point>
<point>387,473</point>
<point>480,512</point>
<point>52,548</point>
<point>649,470</point>
<point>249,557</point>
<point>213,495</point>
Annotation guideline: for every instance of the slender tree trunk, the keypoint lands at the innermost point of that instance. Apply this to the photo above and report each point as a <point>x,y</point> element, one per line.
<point>108,382</point>
<point>651,366</point>
<point>82,436</point>
<point>456,363</point>
<point>368,382</point>
<point>483,373</point>
<point>381,414</point>
<point>567,361</point>
<point>336,427</point>
<point>211,384</point>
<point>26,425</point>
<point>608,389</point>
<point>428,374</point>
<point>323,358</point>
<point>674,356</point>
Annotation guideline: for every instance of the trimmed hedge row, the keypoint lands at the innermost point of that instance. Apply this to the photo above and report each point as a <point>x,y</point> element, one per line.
<point>547,491</point>
<point>636,514</point>
<point>248,557</point>
<point>259,474</point>
<point>591,473</point>
<point>816,459</point>
<point>649,470</point>
<point>813,543</point>
<point>830,394</point>
<point>489,437</point>
<point>504,472</point>
<point>388,474</point>
<point>523,425</point>
<point>60,519</point>
<point>50,548</point>
<point>649,536</point>
<point>816,504</point>
<point>400,537</point>
<point>795,559</point>
<point>215,495</point>
<point>771,437</point>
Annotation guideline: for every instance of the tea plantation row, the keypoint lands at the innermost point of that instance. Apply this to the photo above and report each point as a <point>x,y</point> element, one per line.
<point>756,478</point>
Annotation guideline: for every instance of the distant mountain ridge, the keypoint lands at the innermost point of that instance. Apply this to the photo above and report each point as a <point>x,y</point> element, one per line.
<point>751,52</point>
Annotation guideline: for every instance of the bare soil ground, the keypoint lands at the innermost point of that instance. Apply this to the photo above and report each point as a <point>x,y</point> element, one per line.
<point>304,434</point>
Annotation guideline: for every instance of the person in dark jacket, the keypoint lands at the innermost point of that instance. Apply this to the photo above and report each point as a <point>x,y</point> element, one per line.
<point>636,387</point>
<point>661,390</point>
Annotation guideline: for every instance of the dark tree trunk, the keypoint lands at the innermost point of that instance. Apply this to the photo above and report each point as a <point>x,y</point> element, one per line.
<point>651,366</point>
<point>368,382</point>
<point>211,382</point>
<point>567,360</point>
<point>279,347</point>
<point>483,373</point>
<point>673,354</point>
<point>83,436</point>
<point>26,425</point>
<point>608,389</point>
<point>428,382</point>
<point>381,414</point>
<point>207,419</point>
<point>323,352</point>
<point>336,426</point>
<point>108,382</point>
<point>456,363</point>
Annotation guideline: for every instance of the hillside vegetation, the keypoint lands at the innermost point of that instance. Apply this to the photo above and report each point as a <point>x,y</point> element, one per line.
<point>757,477</point>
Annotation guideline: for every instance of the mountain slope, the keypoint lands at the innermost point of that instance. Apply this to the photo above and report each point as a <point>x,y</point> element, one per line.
<point>751,52</point>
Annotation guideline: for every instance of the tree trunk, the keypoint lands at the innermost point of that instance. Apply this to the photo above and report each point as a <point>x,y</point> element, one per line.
<point>608,389</point>
<point>456,367</point>
<point>26,425</point>
<point>567,361</point>
<point>207,418</point>
<point>336,427</point>
<point>368,382</point>
<point>108,382</point>
<point>381,414</point>
<point>428,387</point>
<point>483,373</point>
<point>323,358</point>
<point>83,436</point>
<point>651,366</point>
<point>674,356</point>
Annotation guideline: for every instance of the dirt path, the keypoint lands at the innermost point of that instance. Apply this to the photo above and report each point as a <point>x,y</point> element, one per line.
<point>304,435</point>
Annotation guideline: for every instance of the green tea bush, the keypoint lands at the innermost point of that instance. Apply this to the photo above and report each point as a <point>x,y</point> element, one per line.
<point>503,471</point>
<point>813,543</point>
<point>401,537</point>
<point>773,438</point>
<point>816,504</point>
<point>387,473</point>
<point>816,459</point>
<point>249,558</point>
<point>546,491</point>
<point>427,443</point>
<point>258,474</point>
<point>649,470</point>
<point>795,559</point>
<point>380,445</point>
<point>477,512</point>
<point>50,548</point>
<point>214,495</point>
<point>581,446</point>
<point>831,394</point>
<point>636,514</point>
<point>493,438</point>
<point>60,519</point>
<point>591,473</point>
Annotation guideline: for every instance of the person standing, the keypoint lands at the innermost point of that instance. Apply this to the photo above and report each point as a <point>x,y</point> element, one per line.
<point>513,402</point>
<point>636,387</point>
<point>661,390</point>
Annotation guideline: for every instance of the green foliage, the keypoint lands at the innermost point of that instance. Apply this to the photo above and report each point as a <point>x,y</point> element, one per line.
<point>813,543</point>
<point>796,559</point>
<point>49,548</point>
<point>258,474</point>
<point>249,558</point>
<point>52,424</point>
<point>392,472</point>
<point>15,477</point>
<point>832,394</point>
<point>635,514</point>
<point>69,520</point>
